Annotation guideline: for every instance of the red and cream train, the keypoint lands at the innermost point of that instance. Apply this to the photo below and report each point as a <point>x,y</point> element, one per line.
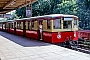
<point>54,28</point>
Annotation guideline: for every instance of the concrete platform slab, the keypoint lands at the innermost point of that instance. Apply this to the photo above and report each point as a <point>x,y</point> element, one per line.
<point>13,47</point>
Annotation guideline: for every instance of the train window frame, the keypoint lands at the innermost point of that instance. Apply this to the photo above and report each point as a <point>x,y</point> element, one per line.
<point>56,23</point>
<point>48,24</point>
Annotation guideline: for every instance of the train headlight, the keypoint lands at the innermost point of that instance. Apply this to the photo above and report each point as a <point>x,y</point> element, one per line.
<point>74,34</point>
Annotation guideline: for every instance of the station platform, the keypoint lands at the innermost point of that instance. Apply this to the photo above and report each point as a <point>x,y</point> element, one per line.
<point>13,47</point>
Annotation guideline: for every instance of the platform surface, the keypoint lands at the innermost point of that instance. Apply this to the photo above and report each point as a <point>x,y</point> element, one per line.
<point>13,47</point>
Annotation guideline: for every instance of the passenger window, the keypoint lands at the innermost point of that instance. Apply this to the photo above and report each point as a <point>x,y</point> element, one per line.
<point>57,24</point>
<point>19,25</point>
<point>3,25</point>
<point>32,24</point>
<point>10,25</point>
<point>48,24</point>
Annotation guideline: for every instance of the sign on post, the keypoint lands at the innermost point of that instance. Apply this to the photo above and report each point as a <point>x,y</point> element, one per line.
<point>29,10</point>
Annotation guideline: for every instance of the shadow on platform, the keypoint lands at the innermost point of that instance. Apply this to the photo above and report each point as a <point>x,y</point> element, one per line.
<point>23,41</point>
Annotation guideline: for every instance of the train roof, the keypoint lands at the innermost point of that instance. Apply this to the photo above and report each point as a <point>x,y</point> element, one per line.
<point>43,17</point>
<point>3,21</point>
<point>58,15</point>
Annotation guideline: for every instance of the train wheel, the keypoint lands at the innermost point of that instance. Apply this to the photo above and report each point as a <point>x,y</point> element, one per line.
<point>65,43</point>
<point>73,44</point>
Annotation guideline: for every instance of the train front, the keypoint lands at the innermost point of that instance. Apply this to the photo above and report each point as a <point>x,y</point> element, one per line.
<point>64,28</point>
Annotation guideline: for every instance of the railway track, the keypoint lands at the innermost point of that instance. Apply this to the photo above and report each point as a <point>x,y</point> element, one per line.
<point>82,46</point>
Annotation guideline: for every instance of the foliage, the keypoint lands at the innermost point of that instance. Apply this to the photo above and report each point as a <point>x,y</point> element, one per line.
<point>66,7</point>
<point>80,8</point>
<point>21,12</point>
<point>44,7</point>
<point>83,13</point>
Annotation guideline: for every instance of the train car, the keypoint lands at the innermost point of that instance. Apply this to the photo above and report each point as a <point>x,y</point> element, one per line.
<point>54,28</point>
<point>3,26</point>
<point>84,34</point>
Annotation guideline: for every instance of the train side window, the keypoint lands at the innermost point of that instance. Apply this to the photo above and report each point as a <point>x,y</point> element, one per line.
<point>10,25</point>
<point>28,25</point>
<point>32,24</point>
<point>57,24</point>
<point>19,25</point>
<point>75,23</point>
<point>48,24</point>
<point>3,25</point>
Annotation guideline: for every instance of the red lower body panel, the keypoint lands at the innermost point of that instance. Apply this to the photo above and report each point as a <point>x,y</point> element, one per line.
<point>0,28</point>
<point>11,30</point>
<point>32,34</point>
<point>19,32</point>
<point>57,37</point>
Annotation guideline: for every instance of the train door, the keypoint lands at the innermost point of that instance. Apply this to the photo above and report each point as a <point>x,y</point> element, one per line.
<point>2,26</point>
<point>14,27</point>
<point>24,28</point>
<point>40,29</point>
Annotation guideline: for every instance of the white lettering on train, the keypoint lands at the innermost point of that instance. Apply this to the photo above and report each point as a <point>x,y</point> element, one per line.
<point>33,32</point>
<point>47,34</point>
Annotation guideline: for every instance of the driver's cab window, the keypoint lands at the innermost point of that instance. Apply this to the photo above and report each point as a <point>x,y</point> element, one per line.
<point>75,23</point>
<point>67,23</point>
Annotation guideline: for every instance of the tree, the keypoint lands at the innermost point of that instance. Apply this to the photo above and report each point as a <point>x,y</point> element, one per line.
<point>83,13</point>
<point>80,8</point>
<point>21,12</point>
<point>67,7</point>
<point>44,7</point>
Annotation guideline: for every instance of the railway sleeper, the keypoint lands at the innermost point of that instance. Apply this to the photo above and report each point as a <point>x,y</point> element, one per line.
<point>84,46</point>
